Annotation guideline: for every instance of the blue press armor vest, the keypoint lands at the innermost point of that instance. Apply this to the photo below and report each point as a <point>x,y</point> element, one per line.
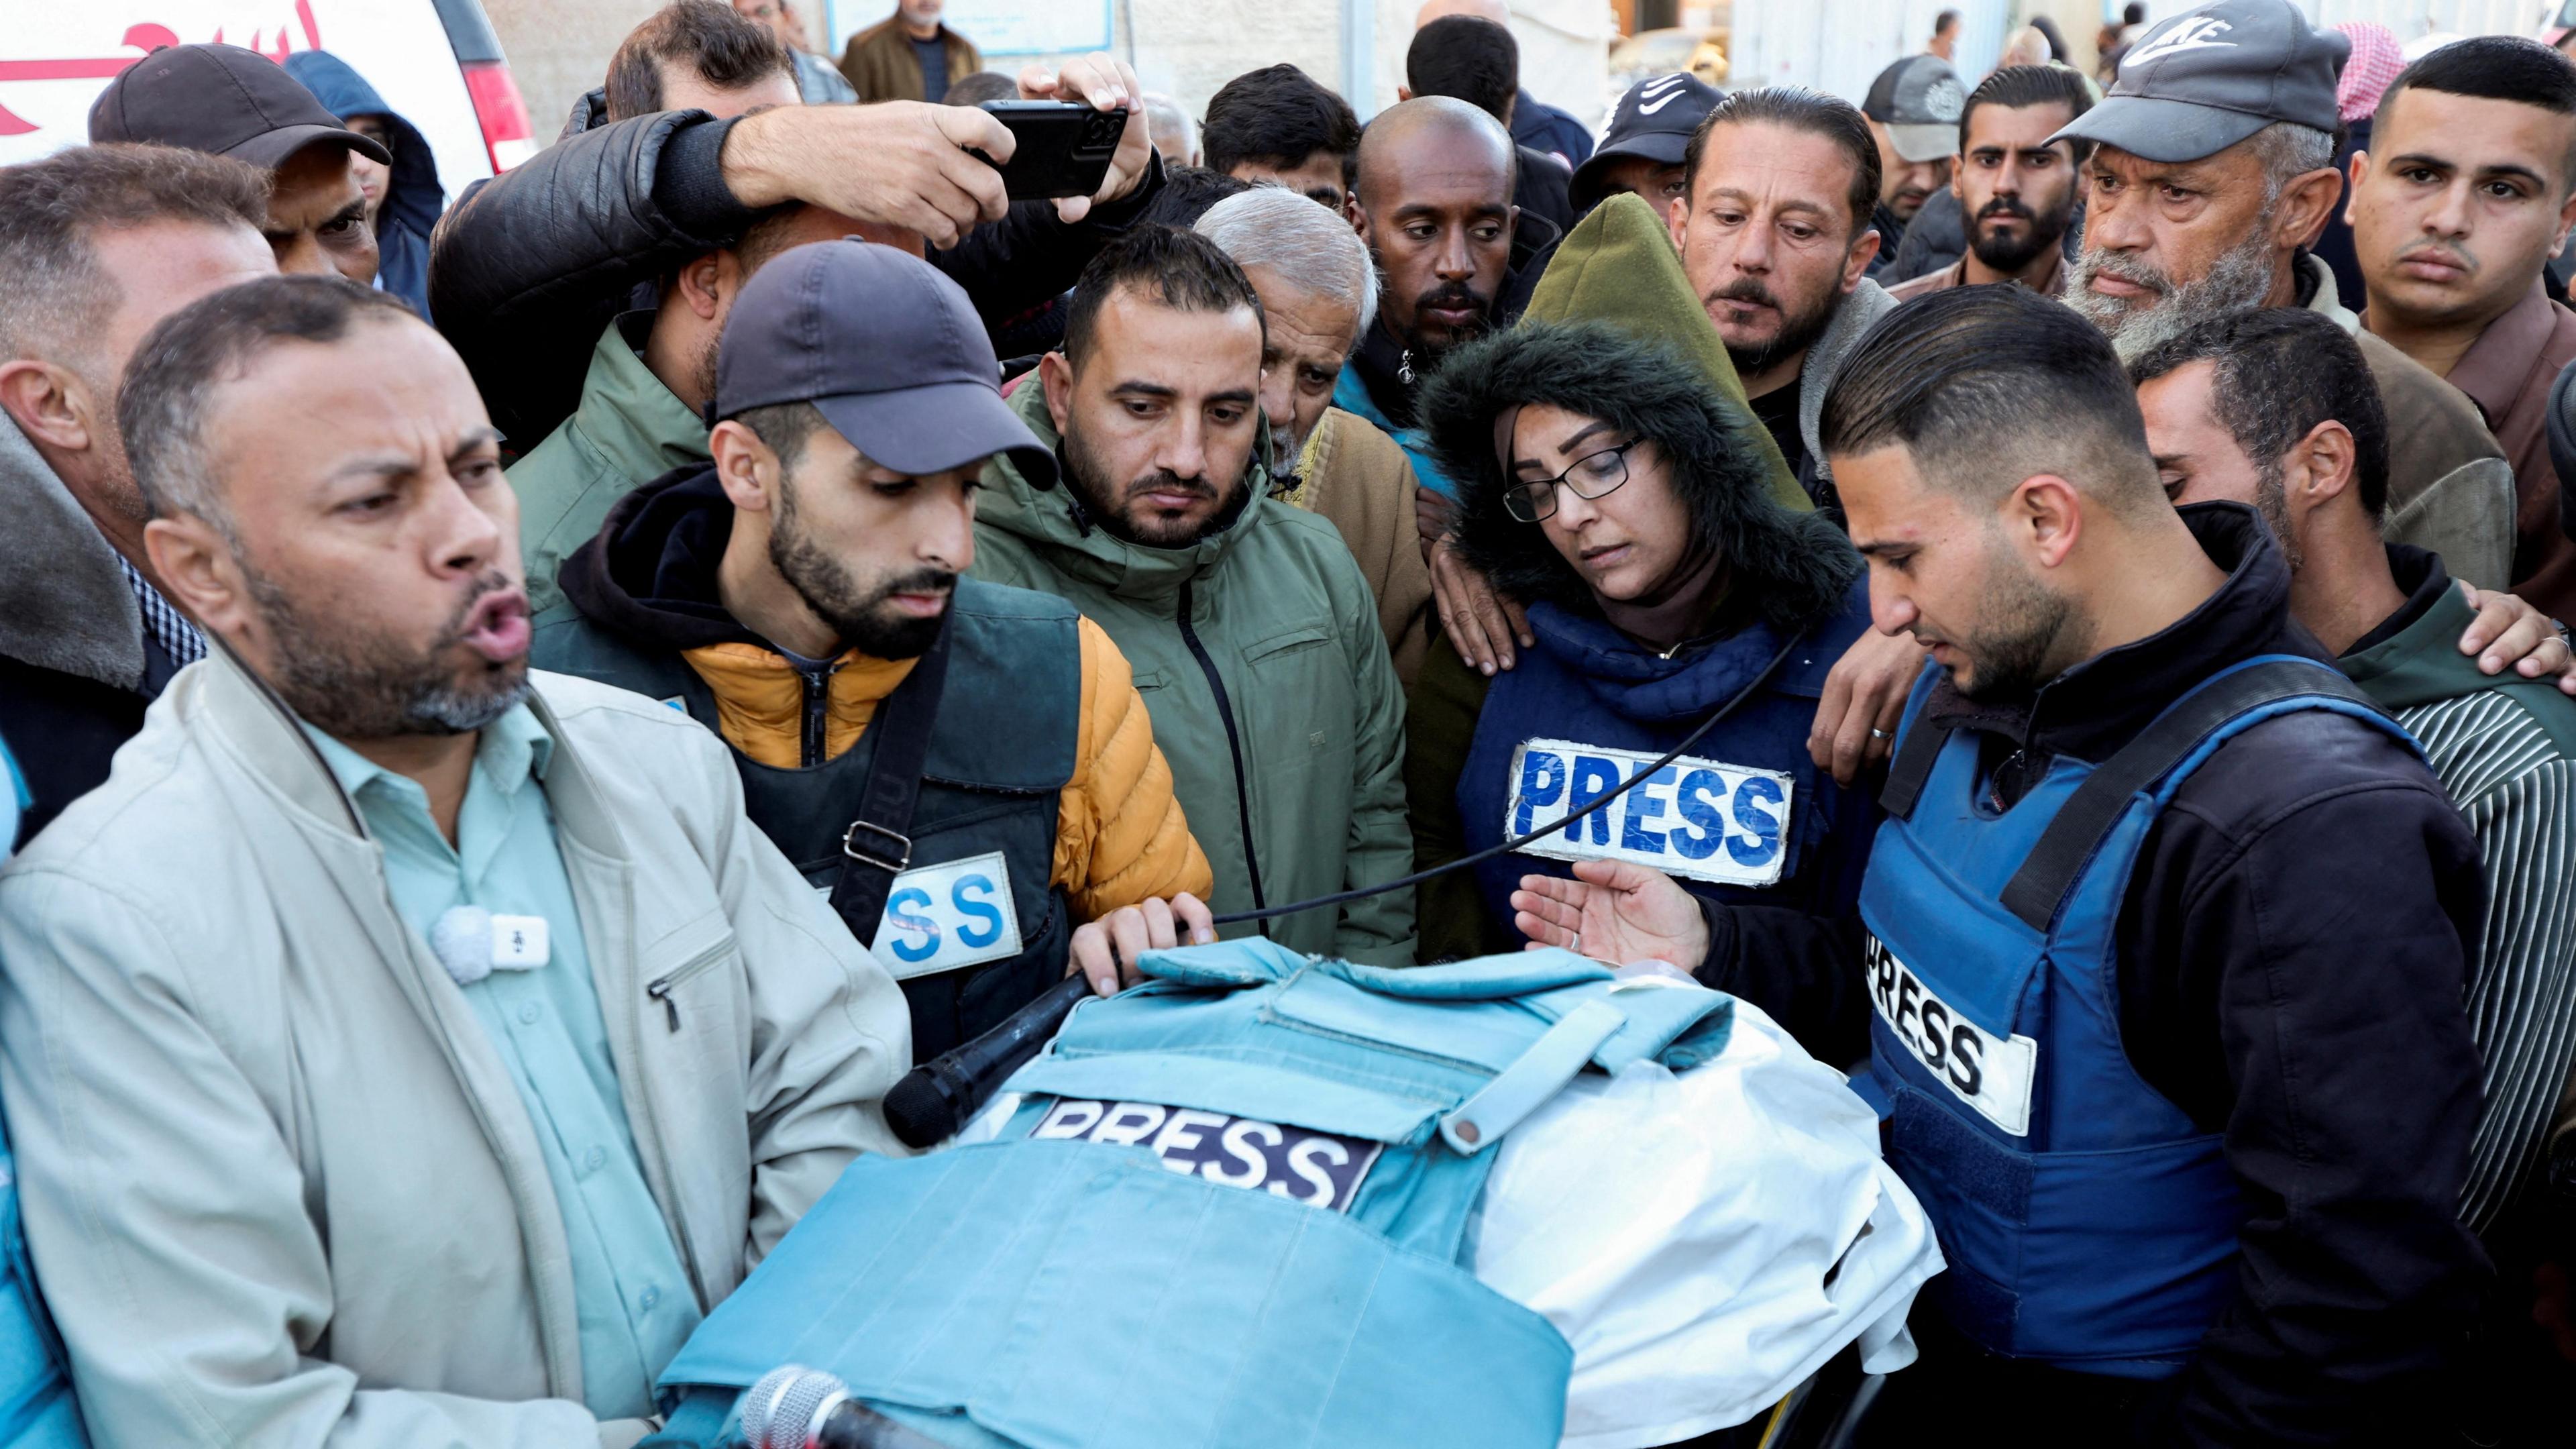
<point>2088,1222</point>
<point>1048,1291</point>
<point>1586,683</point>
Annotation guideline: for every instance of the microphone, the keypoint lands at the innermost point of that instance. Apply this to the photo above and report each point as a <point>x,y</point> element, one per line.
<point>461,939</point>
<point>795,1407</point>
<point>943,1094</point>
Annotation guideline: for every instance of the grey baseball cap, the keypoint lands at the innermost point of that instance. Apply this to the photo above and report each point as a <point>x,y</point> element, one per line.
<point>885,347</point>
<point>2208,78</point>
<point>1919,101</point>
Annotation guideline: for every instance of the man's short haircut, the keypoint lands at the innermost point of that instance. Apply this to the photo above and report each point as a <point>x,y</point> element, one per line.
<point>1988,386</point>
<point>982,86</point>
<point>2496,68</point>
<point>725,50</point>
<point>1188,191</point>
<point>1474,60</point>
<point>1277,117</point>
<point>2279,373</point>
<point>1799,109</point>
<point>1178,269</point>
<point>1944,21</point>
<point>2017,86</point>
<point>783,428</point>
<point>162,411</point>
<point>2289,151</point>
<point>55,300</point>
<point>1311,249</point>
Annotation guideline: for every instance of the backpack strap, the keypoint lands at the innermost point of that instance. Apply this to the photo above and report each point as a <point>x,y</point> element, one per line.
<point>878,845</point>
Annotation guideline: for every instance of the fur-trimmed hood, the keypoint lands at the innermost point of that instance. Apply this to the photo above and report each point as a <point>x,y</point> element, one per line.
<point>1793,568</point>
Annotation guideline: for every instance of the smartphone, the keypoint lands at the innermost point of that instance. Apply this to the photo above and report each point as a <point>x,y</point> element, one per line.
<point>1064,147</point>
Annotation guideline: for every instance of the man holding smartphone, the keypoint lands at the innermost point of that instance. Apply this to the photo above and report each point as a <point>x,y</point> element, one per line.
<point>530,266</point>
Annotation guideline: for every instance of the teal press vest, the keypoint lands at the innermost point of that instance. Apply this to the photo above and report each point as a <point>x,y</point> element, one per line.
<point>983,832</point>
<point>1232,1208</point>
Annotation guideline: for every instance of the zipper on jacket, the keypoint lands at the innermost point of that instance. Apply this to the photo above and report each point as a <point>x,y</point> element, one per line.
<point>817,686</point>
<point>661,987</point>
<point>1233,747</point>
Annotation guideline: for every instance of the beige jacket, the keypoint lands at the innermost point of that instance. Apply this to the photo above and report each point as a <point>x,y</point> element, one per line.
<point>1352,474</point>
<point>278,1183</point>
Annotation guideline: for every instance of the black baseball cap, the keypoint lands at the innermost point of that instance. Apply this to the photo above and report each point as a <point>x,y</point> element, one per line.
<point>1919,100</point>
<point>886,348</point>
<point>224,99</point>
<point>1654,120</point>
<point>2208,78</point>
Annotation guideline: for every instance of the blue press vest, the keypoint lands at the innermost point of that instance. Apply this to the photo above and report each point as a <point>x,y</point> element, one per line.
<point>1585,682</point>
<point>1178,1283</point>
<point>2089,1223</point>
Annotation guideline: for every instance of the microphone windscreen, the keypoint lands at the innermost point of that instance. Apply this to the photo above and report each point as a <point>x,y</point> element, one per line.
<point>918,1112</point>
<point>461,939</point>
<point>778,1412</point>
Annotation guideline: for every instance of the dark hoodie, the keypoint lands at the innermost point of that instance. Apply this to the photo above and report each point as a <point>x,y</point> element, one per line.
<point>413,197</point>
<point>1624,356</point>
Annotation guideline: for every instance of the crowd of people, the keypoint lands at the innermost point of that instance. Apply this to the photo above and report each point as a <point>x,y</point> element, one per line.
<point>524,717</point>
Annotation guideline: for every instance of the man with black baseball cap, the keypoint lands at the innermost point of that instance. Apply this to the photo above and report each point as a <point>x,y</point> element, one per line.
<point>239,103</point>
<point>965,769</point>
<point>1642,152</point>
<point>1913,110</point>
<point>2213,165</point>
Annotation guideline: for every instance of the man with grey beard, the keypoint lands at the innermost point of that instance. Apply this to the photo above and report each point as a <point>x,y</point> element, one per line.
<point>393,1016</point>
<point>2213,167</point>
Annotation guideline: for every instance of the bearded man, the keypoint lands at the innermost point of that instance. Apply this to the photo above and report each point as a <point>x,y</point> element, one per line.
<point>1254,637</point>
<point>402,1047</point>
<point>800,595</point>
<point>2212,170</point>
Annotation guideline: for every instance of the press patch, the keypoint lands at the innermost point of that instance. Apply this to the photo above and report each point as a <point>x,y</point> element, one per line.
<point>1703,819</point>
<point>948,917</point>
<point>1992,1074</point>
<point>1320,1169</point>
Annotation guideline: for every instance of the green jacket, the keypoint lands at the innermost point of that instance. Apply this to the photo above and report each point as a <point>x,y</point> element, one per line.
<point>1274,608</point>
<point>628,431</point>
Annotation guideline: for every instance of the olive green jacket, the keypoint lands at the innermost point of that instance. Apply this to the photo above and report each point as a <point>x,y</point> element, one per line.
<point>628,431</point>
<point>1259,655</point>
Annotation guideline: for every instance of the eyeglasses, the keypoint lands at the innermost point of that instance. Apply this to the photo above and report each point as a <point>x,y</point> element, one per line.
<point>1594,475</point>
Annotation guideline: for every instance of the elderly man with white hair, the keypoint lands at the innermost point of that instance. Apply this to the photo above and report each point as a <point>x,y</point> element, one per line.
<point>1318,294</point>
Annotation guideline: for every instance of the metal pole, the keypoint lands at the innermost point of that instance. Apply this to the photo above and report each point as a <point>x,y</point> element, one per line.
<point>1359,56</point>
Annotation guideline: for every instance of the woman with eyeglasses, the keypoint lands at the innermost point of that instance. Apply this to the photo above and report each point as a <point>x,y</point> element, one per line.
<point>1610,476</point>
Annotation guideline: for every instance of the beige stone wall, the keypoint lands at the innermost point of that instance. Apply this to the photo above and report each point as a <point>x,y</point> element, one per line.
<point>560,48</point>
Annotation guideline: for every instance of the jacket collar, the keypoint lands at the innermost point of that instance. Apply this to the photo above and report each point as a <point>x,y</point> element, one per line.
<point>2414,658</point>
<point>1852,320</point>
<point>639,427</point>
<point>2093,709</point>
<point>2318,293</point>
<point>253,725</point>
<point>64,601</point>
<point>1054,526</point>
<point>2492,372</point>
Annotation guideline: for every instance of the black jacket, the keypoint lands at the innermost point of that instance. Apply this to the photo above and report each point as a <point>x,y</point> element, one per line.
<point>2292,958</point>
<point>77,667</point>
<point>528,267</point>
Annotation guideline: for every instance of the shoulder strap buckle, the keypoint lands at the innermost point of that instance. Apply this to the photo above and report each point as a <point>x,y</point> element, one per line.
<point>902,847</point>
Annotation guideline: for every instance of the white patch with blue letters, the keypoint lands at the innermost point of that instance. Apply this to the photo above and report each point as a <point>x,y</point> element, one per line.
<point>948,917</point>
<point>1704,819</point>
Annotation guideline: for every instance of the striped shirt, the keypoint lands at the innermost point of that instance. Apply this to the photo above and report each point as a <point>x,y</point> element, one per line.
<point>2504,748</point>
<point>2517,788</point>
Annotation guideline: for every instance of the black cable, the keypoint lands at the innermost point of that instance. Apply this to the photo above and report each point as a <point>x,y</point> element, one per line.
<point>1508,846</point>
